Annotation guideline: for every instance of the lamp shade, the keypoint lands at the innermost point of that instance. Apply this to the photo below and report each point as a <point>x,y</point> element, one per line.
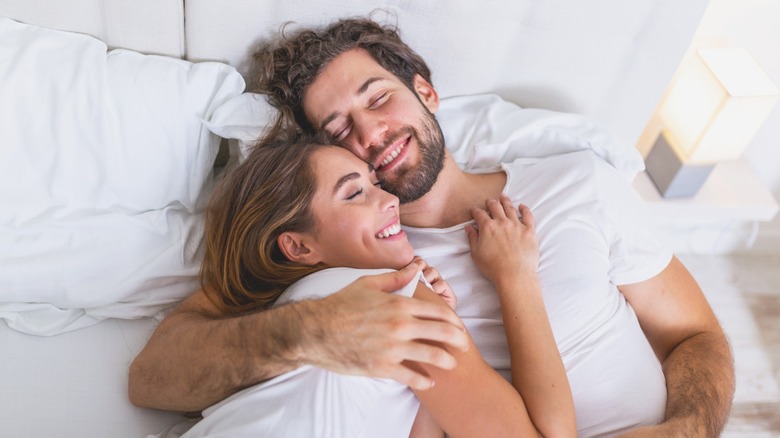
<point>716,105</point>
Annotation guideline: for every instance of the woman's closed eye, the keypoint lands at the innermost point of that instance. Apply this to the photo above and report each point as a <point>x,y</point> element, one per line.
<point>354,194</point>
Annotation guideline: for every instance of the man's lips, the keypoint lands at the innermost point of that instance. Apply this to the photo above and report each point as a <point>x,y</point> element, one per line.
<point>392,153</point>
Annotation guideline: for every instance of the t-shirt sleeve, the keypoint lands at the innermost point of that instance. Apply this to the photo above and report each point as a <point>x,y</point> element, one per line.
<point>636,250</point>
<point>331,280</point>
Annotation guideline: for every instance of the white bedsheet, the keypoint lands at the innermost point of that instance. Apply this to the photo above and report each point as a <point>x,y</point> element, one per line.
<point>74,384</point>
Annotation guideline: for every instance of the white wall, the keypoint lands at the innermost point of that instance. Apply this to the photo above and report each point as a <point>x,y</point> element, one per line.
<point>754,25</point>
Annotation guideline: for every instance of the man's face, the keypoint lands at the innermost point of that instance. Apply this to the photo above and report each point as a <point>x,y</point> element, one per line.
<point>369,111</point>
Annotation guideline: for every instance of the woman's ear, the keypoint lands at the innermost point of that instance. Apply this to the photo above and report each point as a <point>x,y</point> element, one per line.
<point>426,92</point>
<point>297,248</point>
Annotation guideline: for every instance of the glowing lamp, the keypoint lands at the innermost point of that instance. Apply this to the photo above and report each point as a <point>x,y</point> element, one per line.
<point>716,105</point>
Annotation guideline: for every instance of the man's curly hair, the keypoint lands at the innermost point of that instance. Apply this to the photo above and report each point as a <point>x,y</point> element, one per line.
<point>284,68</point>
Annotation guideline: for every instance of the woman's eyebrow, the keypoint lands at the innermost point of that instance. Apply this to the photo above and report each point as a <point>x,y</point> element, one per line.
<point>344,179</point>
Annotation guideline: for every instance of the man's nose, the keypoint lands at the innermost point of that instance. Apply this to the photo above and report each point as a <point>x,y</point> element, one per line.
<point>371,128</point>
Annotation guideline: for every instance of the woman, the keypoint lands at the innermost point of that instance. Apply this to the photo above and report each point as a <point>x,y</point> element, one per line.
<point>295,221</point>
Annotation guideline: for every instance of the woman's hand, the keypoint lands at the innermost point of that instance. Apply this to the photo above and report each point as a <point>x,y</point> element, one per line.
<point>503,245</point>
<point>440,286</point>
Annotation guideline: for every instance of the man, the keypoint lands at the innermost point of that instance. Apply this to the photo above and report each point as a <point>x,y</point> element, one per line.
<point>639,341</point>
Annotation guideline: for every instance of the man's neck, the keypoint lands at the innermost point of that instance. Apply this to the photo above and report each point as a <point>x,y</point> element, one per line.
<point>451,198</point>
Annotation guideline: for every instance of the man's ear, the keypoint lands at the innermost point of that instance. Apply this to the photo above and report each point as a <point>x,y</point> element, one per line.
<point>426,92</point>
<point>297,248</point>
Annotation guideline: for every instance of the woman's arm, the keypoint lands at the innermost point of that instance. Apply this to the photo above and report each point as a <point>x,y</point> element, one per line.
<point>425,426</point>
<point>505,249</point>
<point>472,399</point>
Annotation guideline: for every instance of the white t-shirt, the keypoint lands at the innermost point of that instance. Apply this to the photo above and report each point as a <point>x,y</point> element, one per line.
<point>593,235</point>
<point>310,401</point>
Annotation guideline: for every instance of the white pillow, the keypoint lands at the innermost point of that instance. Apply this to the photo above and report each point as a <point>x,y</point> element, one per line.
<point>242,118</point>
<point>483,130</point>
<point>480,131</point>
<point>104,169</point>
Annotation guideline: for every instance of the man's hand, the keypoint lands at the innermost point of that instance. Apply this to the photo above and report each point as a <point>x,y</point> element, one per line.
<point>198,355</point>
<point>364,330</point>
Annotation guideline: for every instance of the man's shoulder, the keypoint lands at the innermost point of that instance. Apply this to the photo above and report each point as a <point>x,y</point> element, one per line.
<point>579,165</point>
<point>578,177</point>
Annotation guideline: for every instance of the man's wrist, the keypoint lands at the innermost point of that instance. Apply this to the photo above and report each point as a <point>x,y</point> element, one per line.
<point>298,334</point>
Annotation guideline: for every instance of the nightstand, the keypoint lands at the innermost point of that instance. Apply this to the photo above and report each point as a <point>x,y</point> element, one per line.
<point>722,217</point>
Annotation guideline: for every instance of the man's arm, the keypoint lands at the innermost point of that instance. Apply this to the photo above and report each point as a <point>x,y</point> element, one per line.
<point>197,356</point>
<point>696,357</point>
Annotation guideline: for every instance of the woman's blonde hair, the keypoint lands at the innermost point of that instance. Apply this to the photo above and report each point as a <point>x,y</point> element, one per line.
<point>267,195</point>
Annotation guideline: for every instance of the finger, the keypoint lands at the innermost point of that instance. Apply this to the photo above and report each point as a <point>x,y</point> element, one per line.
<point>481,217</point>
<point>419,263</point>
<point>421,352</point>
<point>440,287</point>
<point>426,315</point>
<point>390,281</point>
<point>509,209</point>
<point>473,235</point>
<point>435,331</point>
<point>495,209</point>
<point>431,274</point>
<point>526,216</point>
<point>410,378</point>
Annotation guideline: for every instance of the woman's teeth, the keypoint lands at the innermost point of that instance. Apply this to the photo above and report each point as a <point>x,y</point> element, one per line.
<point>392,156</point>
<point>392,230</point>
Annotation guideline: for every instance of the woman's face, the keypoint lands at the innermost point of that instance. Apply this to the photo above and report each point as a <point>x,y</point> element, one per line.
<point>357,223</point>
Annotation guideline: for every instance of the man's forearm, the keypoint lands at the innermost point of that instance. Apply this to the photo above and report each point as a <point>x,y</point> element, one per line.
<point>700,385</point>
<point>193,361</point>
<point>196,358</point>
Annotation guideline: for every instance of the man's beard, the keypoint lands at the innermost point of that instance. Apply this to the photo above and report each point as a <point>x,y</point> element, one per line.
<point>411,182</point>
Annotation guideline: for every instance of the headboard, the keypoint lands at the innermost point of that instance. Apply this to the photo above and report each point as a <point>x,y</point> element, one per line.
<point>606,59</point>
<point>149,26</point>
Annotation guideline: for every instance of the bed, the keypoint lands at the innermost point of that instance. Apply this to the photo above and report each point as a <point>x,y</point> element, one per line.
<point>117,116</point>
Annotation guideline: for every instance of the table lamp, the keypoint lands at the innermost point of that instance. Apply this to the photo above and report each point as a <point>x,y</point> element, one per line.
<point>716,105</point>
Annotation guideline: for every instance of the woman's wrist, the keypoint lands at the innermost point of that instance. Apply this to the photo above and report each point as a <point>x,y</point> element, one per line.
<point>516,278</point>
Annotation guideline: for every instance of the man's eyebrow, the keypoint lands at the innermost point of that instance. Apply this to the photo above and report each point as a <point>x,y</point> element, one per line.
<point>329,119</point>
<point>344,179</point>
<point>362,89</point>
<point>368,82</point>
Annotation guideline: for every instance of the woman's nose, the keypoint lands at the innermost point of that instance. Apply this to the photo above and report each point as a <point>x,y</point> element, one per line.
<point>387,200</point>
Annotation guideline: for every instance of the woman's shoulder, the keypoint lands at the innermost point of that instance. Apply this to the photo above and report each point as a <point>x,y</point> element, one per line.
<point>323,283</point>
